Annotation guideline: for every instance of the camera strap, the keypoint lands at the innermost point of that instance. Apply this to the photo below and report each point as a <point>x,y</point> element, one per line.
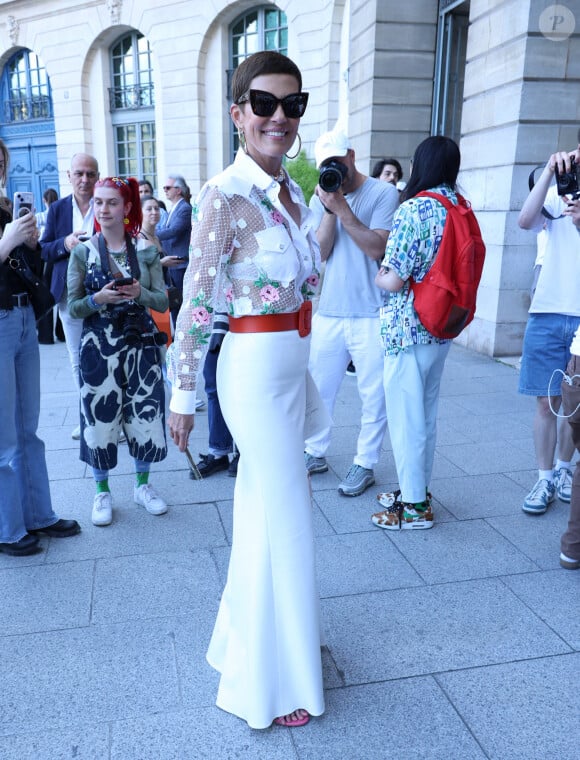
<point>531,183</point>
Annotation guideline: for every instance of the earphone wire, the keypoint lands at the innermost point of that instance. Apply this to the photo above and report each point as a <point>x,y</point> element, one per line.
<point>569,380</point>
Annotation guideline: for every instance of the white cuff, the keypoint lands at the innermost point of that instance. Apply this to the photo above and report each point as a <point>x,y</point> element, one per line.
<point>182,402</point>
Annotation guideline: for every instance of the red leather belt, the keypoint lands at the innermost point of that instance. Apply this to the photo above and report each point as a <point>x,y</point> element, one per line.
<point>300,320</point>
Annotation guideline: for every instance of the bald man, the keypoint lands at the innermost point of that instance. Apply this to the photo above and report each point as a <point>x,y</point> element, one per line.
<point>67,221</point>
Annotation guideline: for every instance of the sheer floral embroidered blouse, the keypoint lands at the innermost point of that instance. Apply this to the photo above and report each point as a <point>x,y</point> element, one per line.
<point>247,256</point>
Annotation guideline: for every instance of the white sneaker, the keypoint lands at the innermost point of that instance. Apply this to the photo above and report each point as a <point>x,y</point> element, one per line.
<point>102,509</point>
<point>76,433</point>
<point>563,483</point>
<point>147,497</point>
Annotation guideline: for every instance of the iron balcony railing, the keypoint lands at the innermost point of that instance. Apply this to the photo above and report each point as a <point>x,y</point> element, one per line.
<point>25,109</point>
<point>134,96</point>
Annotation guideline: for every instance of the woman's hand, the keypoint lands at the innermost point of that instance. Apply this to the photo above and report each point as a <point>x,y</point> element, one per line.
<point>171,261</point>
<point>180,426</point>
<point>109,294</point>
<point>132,291</point>
<point>21,230</point>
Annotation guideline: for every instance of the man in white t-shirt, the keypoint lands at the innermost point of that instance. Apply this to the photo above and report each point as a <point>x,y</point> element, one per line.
<point>553,319</point>
<point>353,227</point>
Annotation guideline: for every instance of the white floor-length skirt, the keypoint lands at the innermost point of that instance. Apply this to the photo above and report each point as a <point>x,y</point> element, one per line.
<point>266,640</point>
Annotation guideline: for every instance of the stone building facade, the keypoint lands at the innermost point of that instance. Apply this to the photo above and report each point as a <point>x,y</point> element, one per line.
<point>144,87</point>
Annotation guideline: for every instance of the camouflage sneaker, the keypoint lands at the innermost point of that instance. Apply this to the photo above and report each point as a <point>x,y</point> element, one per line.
<point>401,515</point>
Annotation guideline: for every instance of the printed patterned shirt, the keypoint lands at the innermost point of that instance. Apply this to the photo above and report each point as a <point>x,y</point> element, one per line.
<point>411,247</point>
<point>247,256</point>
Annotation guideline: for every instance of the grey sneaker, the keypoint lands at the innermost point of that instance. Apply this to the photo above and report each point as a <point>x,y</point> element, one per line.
<point>314,464</point>
<point>542,494</point>
<point>563,483</point>
<point>357,480</point>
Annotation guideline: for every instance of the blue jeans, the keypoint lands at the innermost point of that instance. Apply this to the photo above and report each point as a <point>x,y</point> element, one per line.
<point>25,502</point>
<point>220,438</point>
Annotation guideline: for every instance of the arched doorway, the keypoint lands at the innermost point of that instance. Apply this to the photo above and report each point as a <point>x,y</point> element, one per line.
<point>27,126</point>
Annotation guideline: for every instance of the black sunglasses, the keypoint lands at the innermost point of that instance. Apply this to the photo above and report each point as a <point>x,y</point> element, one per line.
<point>265,104</point>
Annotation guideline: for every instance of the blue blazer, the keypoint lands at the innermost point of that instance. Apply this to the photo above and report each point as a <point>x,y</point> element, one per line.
<point>59,224</point>
<point>176,233</point>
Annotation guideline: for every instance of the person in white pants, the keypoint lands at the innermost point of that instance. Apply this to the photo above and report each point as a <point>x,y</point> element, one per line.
<point>353,221</point>
<point>68,220</point>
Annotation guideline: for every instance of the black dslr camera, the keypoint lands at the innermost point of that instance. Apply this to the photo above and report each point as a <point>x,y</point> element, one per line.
<point>133,322</point>
<point>332,175</point>
<point>567,183</point>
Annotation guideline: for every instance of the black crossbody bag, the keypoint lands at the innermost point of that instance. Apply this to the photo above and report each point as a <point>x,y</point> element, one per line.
<point>40,296</point>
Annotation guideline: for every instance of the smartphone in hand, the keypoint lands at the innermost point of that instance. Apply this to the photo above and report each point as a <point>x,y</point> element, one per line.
<point>119,282</point>
<point>23,204</point>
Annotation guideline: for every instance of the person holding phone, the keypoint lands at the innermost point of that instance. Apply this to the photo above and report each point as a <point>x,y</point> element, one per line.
<point>111,283</point>
<point>25,503</point>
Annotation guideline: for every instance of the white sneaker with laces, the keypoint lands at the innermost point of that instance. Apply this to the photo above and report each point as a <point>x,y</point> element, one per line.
<point>563,483</point>
<point>146,496</point>
<point>541,495</point>
<point>102,509</point>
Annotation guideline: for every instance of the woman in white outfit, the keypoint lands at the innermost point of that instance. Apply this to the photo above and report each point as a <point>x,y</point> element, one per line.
<point>254,255</point>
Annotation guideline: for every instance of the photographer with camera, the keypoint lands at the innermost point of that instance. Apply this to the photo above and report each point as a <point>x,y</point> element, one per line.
<point>354,215</point>
<point>111,285</point>
<point>554,316</point>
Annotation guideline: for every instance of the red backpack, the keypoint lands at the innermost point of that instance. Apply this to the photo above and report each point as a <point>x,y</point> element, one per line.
<point>445,297</point>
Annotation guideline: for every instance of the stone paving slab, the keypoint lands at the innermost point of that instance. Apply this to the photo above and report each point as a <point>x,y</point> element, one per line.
<point>56,679</point>
<point>461,551</point>
<point>204,734</point>
<point>555,598</point>
<point>89,742</point>
<point>37,597</point>
<point>419,631</point>
<point>406,720</point>
<point>520,710</point>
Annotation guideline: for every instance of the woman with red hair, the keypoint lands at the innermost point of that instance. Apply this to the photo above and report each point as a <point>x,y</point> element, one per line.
<point>111,286</point>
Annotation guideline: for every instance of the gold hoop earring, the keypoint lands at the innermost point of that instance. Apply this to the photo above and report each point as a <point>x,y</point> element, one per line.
<point>290,158</point>
<point>242,140</point>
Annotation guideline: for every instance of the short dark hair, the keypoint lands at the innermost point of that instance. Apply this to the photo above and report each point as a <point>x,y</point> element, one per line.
<point>260,64</point>
<point>436,162</point>
<point>382,162</point>
<point>146,182</point>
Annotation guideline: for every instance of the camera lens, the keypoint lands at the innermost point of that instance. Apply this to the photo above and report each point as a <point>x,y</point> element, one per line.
<point>332,176</point>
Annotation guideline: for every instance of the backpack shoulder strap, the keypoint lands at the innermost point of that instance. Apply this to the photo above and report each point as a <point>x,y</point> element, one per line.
<point>437,197</point>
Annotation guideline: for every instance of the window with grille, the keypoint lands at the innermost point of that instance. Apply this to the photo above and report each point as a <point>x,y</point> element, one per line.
<point>132,101</point>
<point>26,89</point>
<point>264,28</point>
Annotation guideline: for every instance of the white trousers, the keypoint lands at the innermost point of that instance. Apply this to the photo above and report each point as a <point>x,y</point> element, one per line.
<point>412,380</point>
<point>266,639</point>
<point>72,334</point>
<point>335,340</point>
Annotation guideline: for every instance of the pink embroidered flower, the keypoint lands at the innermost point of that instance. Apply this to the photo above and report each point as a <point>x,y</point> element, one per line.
<point>277,216</point>
<point>269,294</point>
<point>229,294</point>
<point>201,316</point>
<point>313,280</point>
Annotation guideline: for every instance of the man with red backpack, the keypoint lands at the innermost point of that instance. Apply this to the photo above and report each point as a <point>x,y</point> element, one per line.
<point>429,237</point>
